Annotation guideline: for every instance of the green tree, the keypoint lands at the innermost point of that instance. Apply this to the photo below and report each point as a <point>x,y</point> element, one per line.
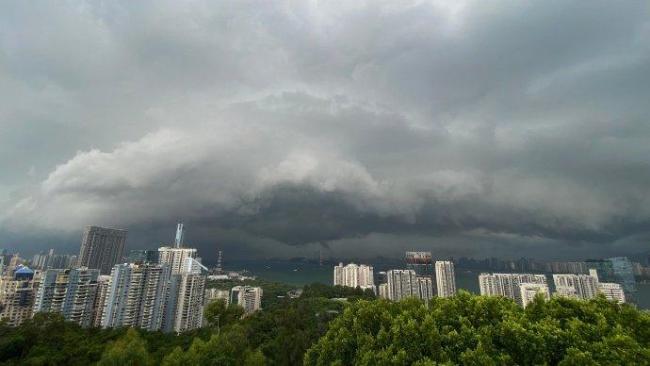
<point>219,314</point>
<point>129,350</point>
<point>479,330</point>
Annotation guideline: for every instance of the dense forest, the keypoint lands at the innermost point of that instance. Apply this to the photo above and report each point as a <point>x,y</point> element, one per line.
<point>316,329</point>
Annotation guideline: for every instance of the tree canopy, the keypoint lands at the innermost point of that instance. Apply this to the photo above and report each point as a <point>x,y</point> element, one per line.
<point>479,330</point>
<point>315,330</point>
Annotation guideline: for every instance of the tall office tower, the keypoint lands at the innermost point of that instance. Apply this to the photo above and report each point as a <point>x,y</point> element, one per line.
<point>354,275</point>
<point>136,296</point>
<point>584,286</point>
<point>617,269</point>
<point>382,289</point>
<point>101,248</point>
<point>72,293</point>
<point>175,258</point>
<point>420,262</point>
<point>17,296</point>
<point>612,291</point>
<point>528,291</point>
<point>189,300</point>
<point>507,284</point>
<point>402,283</point>
<point>445,278</point>
<point>100,299</point>
<point>249,298</point>
<point>425,288</point>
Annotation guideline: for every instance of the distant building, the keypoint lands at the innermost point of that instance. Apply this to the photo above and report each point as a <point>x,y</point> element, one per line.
<point>402,283</point>
<point>101,248</point>
<point>507,284</point>
<point>143,256</point>
<point>425,288</point>
<point>528,292</point>
<point>17,296</point>
<point>50,260</point>
<point>176,258</point>
<point>382,289</point>
<point>354,275</point>
<point>612,291</point>
<point>100,299</point>
<point>584,286</point>
<point>136,296</point>
<point>189,292</point>
<point>213,294</point>
<point>420,262</point>
<point>445,278</point>
<point>617,269</point>
<point>72,293</point>
<point>567,267</point>
<point>249,298</point>
<point>566,291</point>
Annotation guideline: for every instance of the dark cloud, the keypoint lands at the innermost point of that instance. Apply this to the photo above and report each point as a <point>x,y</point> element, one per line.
<point>271,128</point>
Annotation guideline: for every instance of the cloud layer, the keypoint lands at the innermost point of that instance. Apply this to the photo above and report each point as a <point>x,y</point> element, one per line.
<point>274,128</point>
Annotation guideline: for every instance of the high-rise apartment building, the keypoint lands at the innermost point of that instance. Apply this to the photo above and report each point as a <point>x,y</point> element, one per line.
<point>425,288</point>
<point>586,287</point>
<point>354,275</point>
<point>17,296</point>
<point>72,293</point>
<point>528,292</point>
<point>136,296</point>
<point>445,278</point>
<point>176,258</point>
<point>507,284</point>
<point>402,283</point>
<point>101,248</point>
<point>100,299</point>
<point>188,296</point>
<point>420,262</point>
<point>249,298</point>
<point>213,294</point>
<point>612,291</point>
<point>382,289</point>
<point>579,286</point>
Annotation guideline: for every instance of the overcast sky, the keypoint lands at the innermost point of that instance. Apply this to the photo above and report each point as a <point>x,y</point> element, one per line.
<point>363,128</point>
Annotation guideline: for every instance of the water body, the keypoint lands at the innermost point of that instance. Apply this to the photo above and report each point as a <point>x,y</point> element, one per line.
<point>302,273</point>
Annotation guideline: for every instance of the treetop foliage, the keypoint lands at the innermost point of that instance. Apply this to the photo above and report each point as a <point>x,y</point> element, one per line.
<point>479,330</point>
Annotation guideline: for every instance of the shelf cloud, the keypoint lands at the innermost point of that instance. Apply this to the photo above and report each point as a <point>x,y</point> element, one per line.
<point>361,128</point>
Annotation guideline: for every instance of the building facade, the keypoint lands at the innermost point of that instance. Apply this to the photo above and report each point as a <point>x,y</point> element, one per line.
<point>612,291</point>
<point>101,248</point>
<point>507,284</point>
<point>354,275</point>
<point>176,258</point>
<point>445,278</point>
<point>17,293</point>
<point>402,283</point>
<point>248,297</point>
<point>528,292</point>
<point>578,286</point>
<point>136,296</point>
<point>71,293</point>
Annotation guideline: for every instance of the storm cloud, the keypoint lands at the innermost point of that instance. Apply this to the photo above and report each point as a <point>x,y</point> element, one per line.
<point>278,128</point>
